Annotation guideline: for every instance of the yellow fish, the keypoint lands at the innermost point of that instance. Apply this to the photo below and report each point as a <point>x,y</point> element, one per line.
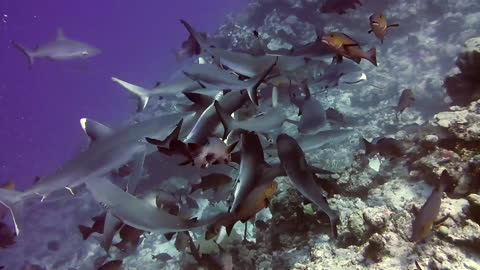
<point>379,26</point>
<point>347,47</point>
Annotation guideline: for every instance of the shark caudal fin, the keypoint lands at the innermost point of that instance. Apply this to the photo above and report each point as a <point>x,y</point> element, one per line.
<point>27,52</point>
<point>13,200</point>
<point>256,81</point>
<point>227,121</point>
<point>140,92</point>
<point>197,36</point>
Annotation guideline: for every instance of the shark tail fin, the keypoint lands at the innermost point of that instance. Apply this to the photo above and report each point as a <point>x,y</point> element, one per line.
<point>141,92</point>
<point>197,36</point>
<point>13,200</point>
<point>27,52</point>
<point>227,121</point>
<point>256,81</point>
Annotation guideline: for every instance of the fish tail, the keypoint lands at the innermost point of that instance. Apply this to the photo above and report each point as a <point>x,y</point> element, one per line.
<point>369,147</point>
<point>85,231</point>
<point>140,92</point>
<point>13,200</point>
<point>256,81</point>
<point>372,56</point>
<point>28,53</point>
<point>227,121</point>
<point>198,38</point>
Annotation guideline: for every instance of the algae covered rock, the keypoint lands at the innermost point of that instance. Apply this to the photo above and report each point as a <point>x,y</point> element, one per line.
<point>465,86</point>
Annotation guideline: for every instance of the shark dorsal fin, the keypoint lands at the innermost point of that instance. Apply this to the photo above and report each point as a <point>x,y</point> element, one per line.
<point>94,129</point>
<point>60,34</point>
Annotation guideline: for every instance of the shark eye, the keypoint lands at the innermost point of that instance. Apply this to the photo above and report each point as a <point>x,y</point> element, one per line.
<point>331,35</point>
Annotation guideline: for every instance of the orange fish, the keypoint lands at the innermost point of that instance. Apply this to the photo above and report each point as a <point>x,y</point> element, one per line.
<point>347,47</point>
<point>379,26</point>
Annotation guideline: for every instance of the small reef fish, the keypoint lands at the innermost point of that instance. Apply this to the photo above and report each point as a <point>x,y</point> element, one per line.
<point>426,217</point>
<point>335,116</point>
<point>181,242</point>
<point>62,48</point>
<point>406,99</point>
<point>211,262</point>
<point>130,237</point>
<point>379,26</point>
<point>302,178</point>
<point>162,257</point>
<point>111,265</point>
<point>339,6</point>
<point>311,111</point>
<point>387,147</point>
<point>347,47</point>
<point>98,223</point>
<point>211,181</point>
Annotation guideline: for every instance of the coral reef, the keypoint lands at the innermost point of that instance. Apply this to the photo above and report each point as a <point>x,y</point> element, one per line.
<point>464,87</point>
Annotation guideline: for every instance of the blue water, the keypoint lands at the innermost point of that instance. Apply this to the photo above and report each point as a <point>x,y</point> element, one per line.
<point>40,108</point>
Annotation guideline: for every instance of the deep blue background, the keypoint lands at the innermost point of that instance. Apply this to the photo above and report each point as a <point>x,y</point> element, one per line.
<point>40,108</point>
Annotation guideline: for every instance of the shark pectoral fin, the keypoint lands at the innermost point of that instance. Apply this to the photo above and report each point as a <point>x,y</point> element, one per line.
<point>203,100</point>
<point>370,31</point>
<point>154,141</point>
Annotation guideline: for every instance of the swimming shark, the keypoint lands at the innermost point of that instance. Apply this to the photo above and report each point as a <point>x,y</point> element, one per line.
<point>254,170</point>
<point>268,121</point>
<point>171,89</point>
<point>302,178</point>
<point>104,155</point>
<point>209,120</point>
<point>213,76</point>
<point>247,64</point>
<point>138,213</point>
<point>312,112</point>
<point>62,48</point>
